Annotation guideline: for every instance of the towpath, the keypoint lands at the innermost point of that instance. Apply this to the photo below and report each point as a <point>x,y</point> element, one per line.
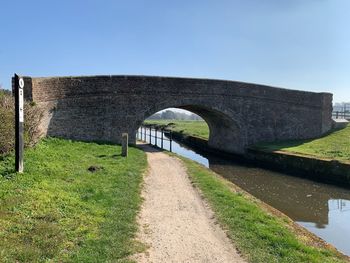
<point>176,223</point>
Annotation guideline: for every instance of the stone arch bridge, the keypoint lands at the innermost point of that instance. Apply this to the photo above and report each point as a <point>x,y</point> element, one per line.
<point>238,114</point>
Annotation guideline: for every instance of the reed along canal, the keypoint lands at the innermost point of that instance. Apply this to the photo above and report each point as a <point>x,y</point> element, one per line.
<point>321,208</point>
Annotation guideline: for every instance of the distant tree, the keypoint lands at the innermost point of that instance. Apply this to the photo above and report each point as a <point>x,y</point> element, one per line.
<point>171,115</point>
<point>168,115</point>
<point>195,117</point>
<point>156,116</point>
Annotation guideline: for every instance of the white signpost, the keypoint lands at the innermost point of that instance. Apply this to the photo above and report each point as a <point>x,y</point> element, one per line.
<point>19,104</point>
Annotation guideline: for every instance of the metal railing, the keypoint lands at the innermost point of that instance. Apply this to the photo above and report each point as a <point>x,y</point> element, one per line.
<point>161,137</point>
<point>341,115</point>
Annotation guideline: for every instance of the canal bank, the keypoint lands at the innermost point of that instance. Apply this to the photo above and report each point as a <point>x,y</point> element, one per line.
<point>322,170</point>
<point>322,209</point>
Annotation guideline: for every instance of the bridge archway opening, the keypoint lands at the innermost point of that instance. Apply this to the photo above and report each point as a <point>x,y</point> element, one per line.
<point>221,131</point>
<point>185,121</point>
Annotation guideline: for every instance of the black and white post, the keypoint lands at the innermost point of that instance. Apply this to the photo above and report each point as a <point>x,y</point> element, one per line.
<point>19,104</point>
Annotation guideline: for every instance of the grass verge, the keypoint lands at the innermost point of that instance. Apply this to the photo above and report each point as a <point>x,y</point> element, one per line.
<point>60,211</point>
<point>259,234</point>
<point>194,128</point>
<point>335,145</point>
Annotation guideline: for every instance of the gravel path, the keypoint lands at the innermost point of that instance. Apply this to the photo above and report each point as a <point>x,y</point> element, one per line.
<point>175,222</point>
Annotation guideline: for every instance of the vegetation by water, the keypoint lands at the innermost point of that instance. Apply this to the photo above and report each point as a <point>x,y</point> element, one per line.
<point>76,202</point>
<point>258,233</point>
<point>194,128</point>
<point>335,145</point>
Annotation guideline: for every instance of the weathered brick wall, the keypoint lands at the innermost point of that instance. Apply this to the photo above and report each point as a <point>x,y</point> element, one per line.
<point>238,114</point>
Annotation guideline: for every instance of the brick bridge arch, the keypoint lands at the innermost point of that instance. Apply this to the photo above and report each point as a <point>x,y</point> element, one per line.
<point>225,132</point>
<point>238,114</point>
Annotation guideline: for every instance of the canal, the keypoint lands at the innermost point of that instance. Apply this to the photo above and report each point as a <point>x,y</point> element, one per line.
<point>322,209</point>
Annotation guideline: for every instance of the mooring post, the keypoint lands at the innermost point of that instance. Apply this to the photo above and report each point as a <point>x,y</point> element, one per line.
<point>162,131</point>
<point>19,119</point>
<point>125,144</point>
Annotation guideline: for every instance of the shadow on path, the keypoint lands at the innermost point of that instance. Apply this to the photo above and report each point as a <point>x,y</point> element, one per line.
<point>147,148</point>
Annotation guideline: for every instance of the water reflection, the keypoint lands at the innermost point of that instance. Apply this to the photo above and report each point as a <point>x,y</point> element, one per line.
<point>337,230</point>
<point>302,200</point>
<point>322,209</point>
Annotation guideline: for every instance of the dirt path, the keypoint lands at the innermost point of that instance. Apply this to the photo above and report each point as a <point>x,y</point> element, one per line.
<point>175,222</point>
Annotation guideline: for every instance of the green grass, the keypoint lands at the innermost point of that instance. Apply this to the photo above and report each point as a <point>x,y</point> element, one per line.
<point>259,235</point>
<point>58,211</point>
<point>194,128</point>
<point>335,145</point>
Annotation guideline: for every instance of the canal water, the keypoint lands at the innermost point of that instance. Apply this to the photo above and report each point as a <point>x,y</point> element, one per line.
<point>322,209</point>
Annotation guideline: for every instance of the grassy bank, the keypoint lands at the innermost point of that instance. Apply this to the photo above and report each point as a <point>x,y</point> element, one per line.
<point>60,211</point>
<point>335,145</point>
<point>259,234</point>
<point>194,128</point>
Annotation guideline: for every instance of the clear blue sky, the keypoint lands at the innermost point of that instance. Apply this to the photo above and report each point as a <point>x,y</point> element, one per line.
<point>297,44</point>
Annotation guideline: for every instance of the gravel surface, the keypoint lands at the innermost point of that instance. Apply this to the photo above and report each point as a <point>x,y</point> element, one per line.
<point>175,222</point>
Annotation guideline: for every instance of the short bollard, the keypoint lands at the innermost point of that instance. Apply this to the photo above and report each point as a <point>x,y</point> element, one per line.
<point>125,144</point>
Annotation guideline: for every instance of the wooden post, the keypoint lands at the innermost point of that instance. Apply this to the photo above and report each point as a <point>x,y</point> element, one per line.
<point>171,141</point>
<point>125,144</point>
<point>144,135</point>
<point>19,120</point>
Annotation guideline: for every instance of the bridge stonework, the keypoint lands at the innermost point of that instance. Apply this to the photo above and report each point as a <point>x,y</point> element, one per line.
<point>101,108</point>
